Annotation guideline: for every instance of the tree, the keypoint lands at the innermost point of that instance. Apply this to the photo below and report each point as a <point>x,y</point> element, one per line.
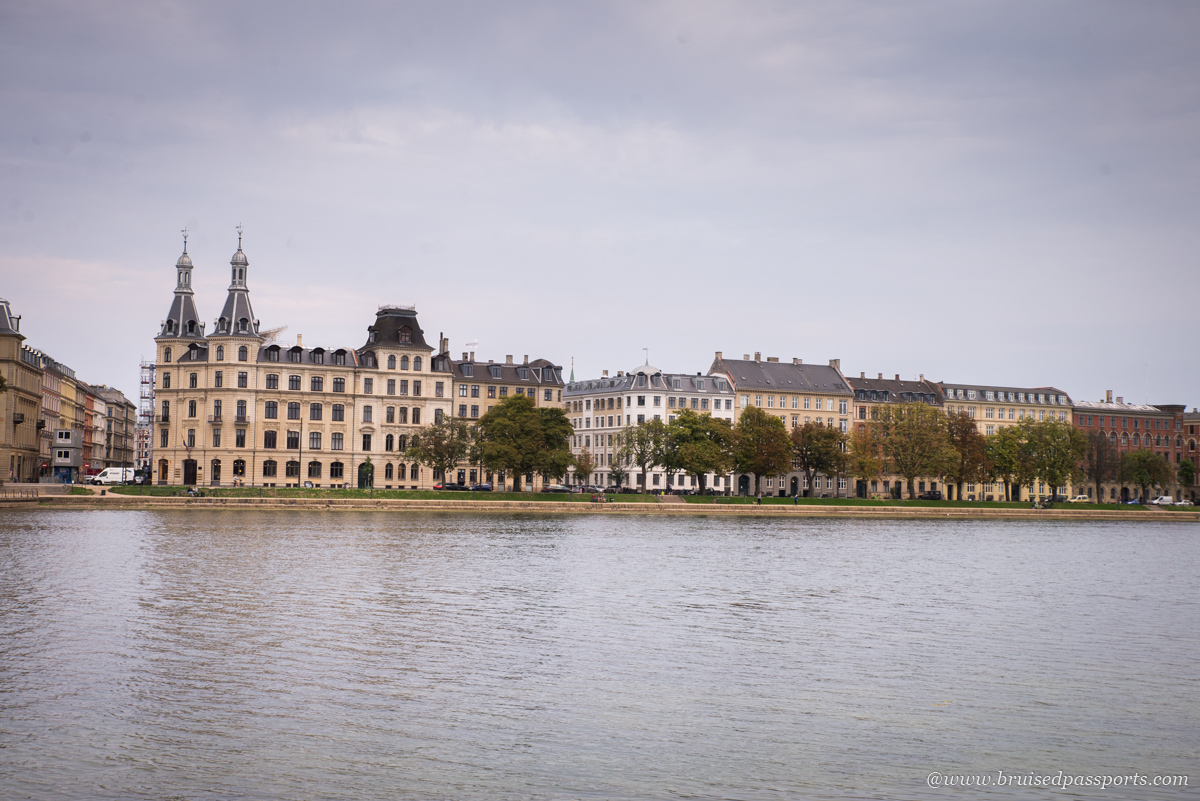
<point>441,445</point>
<point>641,445</point>
<point>816,449</point>
<point>584,465</point>
<point>700,444</point>
<point>1099,462</point>
<point>1006,455</point>
<point>761,445</point>
<point>865,457</point>
<point>1186,473</point>
<point>1054,449</point>
<point>617,473</point>
<point>969,465</point>
<point>914,440</point>
<point>519,438</point>
<point>1146,469</point>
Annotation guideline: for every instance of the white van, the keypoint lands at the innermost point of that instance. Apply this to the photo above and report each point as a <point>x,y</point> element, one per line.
<point>115,475</point>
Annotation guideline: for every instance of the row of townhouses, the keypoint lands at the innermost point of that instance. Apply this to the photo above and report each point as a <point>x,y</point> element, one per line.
<point>56,427</point>
<point>235,406</point>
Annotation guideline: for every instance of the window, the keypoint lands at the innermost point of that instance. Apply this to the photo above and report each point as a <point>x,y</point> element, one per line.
<point>391,386</point>
<point>294,382</point>
<point>271,410</point>
<point>807,401</point>
<point>191,438</point>
<point>335,441</point>
<point>474,411</point>
<point>504,392</point>
<point>243,353</point>
<point>405,335</point>
<point>219,378</point>
<point>191,408</point>
<point>339,413</point>
<point>389,442</point>
<point>292,470</point>
<point>314,440</point>
<point>317,384</point>
<point>417,387</point>
<point>314,469</point>
<point>366,442</point>
<point>416,416</point>
<point>166,354</point>
<point>164,439</point>
<point>216,438</point>
<point>269,468</point>
<point>392,362</point>
<point>220,353</point>
<point>242,380</point>
<point>241,411</point>
<point>402,414</point>
<point>166,380</point>
<point>368,386</point>
<point>293,440</point>
<point>474,390</point>
<point>269,439</point>
<point>462,410</point>
<point>390,415</point>
<point>403,362</point>
<point>272,381</point>
<point>273,354</point>
<point>842,407</point>
<point>191,380</point>
<point>366,414</point>
<point>239,438</point>
<point>416,362</point>
<point>293,411</point>
<point>337,470</point>
<point>314,411</point>
<point>339,385</point>
<point>462,390</point>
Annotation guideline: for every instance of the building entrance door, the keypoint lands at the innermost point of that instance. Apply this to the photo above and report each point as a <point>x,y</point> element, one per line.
<point>795,490</point>
<point>189,471</point>
<point>743,485</point>
<point>861,489</point>
<point>162,471</point>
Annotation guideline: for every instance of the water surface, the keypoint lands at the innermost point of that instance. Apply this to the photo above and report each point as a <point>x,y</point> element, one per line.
<point>209,654</point>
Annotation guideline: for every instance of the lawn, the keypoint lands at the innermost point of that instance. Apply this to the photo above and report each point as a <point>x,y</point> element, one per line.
<point>421,495</point>
<point>867,502</point>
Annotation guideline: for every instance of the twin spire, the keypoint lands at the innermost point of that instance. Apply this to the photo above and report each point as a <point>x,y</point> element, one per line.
<point>237,316</point>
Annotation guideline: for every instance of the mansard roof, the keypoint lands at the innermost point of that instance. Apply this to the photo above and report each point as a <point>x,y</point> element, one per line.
<point>396,327</point>
<point>767,376</point>
<point>1051,395</point>
<point>656,380</point>
<point>539,371</point>
<point>889,390</point>
<point>297,355</point>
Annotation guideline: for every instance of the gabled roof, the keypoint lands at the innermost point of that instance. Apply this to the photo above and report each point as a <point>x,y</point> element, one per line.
<point>781,376</point>
<point>891,390</point>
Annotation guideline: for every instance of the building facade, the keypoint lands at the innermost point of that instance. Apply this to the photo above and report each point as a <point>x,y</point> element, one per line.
<point>20,405</point>
<point>1136,426</point>
<point>599,410</point>
<point>873,394</point>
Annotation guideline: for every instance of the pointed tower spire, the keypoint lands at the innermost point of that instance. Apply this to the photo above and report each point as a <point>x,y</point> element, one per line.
<point>237,316</point>
<point>183,321</point>
<point>572,381</point>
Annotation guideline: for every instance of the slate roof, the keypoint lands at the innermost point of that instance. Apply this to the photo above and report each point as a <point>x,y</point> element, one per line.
<point>1051,392</point>
<point>781,376</point>
<point>8,322</point>
<point>688,382</point>
<point>542,372</point>
<point>306,356</point>
<point>389,321</point>
<point>891,390</point>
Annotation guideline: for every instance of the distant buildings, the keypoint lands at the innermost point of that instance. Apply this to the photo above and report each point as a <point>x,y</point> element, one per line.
<point>56,428</point>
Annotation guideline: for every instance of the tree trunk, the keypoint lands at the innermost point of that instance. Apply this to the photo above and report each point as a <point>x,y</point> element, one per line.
<point>911,485</point>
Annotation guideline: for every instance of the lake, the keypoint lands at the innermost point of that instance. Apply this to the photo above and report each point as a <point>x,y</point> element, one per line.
<point>211,654</point>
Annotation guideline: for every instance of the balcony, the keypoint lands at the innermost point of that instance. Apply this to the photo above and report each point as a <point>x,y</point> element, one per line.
<point>214,418</point>
<point>241,418</point>
<point>162,418</point>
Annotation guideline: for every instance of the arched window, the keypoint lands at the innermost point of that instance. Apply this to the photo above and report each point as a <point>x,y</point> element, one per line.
<point>216,471</point>
<point>220,353</point>
<point>1178,441</point>
<point>402,471</point>
<point>416,362</point>
<point>243,353</point>
<point>166,354</point>
<point>191,326</point>
<point>403,362</point>
<point>405,335</point>
<point>239,467</point>
<point>392,362</point>
<point>1112,438</point>
<point>1124,439</point>
<point>388,441</point>
<point>337,470</point>
<point>243,324</point>
<point>292,469</point>
<point>402,443</point>
<point>314,469</point>
<point>388,470</point>
<point>269,468</point>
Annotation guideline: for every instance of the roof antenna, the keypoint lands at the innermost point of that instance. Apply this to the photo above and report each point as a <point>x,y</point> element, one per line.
<point>184,231</point>
<point>239,230</point>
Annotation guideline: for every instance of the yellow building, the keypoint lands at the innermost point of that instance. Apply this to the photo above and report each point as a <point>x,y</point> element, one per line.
<point>20,405</point>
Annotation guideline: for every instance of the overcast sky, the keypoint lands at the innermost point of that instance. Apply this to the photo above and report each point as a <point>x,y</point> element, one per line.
<point>996,193</point>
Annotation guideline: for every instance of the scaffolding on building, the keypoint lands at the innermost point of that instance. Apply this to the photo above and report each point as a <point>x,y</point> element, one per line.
<point>144,440</point>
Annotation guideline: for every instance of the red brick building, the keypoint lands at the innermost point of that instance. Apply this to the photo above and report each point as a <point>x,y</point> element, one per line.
<point>1133,426</point>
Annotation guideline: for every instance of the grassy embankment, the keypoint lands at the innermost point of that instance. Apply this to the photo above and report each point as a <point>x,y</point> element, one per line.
<point>866,502</point>
<point>351,494</point>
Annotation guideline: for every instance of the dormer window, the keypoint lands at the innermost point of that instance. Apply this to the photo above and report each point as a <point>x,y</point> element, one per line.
<point>318,356</point>
<point>494,369</point>
<point>468,370</point>
<point>700,384</point>
<point>368,360</point>
<point>339,357</point>
<point>523,373</point>
<point>641,379</point>
<point>405,335</point>
<point>273,353</point>
<point>676,383</point>
<point>296,354</point>
<point>371,337</point>
<point>191,326</point>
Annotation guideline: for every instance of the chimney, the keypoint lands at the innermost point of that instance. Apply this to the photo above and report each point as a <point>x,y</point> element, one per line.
<point>745,357</point>
<point>862,374</point>
<point>836,364</point>
<point>508,359</point>
<point>718,355</point>
<point>880,377</point>
<point>604,373</point>
<point>922,377</point>
<point>758,356</point>
<point>1120,400</point>
<point>620,374</point>
<point>796,361</point>
<point>299,340</point>
<point>773,358</point>
<point>1108,396</point>
<point>526,358</point>
<point>464,358</point>
<point>897,376</point>
<point>472,356</point>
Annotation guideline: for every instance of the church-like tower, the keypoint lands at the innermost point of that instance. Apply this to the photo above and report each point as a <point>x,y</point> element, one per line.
<point>237,316</point>
<point>183,321</point>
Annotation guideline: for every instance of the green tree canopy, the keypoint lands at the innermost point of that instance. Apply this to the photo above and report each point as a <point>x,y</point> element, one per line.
<point>441,445</point>
<point>865,456</point>
<point>817,449</point>
<point>914,440</point>
<point>519,438</point>
<point>969,464</point>
<point>761,445</point>
<point>1186,473</point>
<point>1146,469</point>
<point>1006,455</point>
<point>700,444</point>
<point>1054,449</point>
<point>1100,461</point>
<point>642,445</point>
<point>584,465</point>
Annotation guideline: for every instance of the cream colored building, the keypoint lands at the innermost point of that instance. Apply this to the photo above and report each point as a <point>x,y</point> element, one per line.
<point>235,407</point>
<point>20,406</point>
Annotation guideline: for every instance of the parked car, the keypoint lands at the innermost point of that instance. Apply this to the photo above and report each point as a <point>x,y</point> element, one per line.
<point>481,488</point>
<point>930,495</point>
<point>556,488</point>
<point>1080,499</point>
<point>1184,502</point>
<point>1163,500</point>
<point>1133,501</point>
<point>452,487</point>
